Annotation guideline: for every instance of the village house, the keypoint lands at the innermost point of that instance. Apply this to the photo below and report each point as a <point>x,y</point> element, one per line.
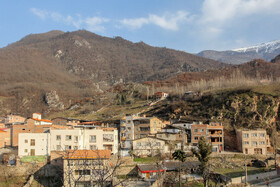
<point>65,121</point>
<point>253,141</point>
<point>5,137</point>
<point>161,95</point>
<point>144,126</point>
<point>149,146</point>
<point>149,171</point>
<point>87,168</point>
<point>135,126</point>
<point>31,125</point>
<point>34,144</point>
<point>14,118</point>
<point>213,134</point>
<point>84,137</point>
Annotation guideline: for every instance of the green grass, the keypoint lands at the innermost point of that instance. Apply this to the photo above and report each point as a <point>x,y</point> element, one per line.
<point>238,172</point>
<point>33,159</point>
<point>145,159</point>
<point>196,184</point>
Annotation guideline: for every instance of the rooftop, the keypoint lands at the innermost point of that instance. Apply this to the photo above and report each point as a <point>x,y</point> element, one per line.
<point>87,154</point>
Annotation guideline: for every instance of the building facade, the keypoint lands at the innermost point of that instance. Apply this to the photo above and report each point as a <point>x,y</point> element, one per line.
<point>213,134</point>
<point>32,125</point>
<point>34,144</point>
<point>89,138</point>
<point>87,168</point>
<point>149,146</point>
<point>253,141</point>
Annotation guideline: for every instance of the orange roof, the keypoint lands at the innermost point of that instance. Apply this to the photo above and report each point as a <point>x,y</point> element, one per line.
<point>2,131</point>
<point>45,120</point>
<point>82,154</point>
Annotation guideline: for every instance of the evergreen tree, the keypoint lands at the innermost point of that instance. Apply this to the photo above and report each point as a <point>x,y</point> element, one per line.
<point>179,155</point>
<point>203,154</point>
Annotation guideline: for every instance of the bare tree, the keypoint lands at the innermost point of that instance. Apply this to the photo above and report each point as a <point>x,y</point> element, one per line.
<point>90,167</point>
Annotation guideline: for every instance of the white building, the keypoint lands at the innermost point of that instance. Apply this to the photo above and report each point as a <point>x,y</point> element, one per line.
<point>85,138</point>
<point>31,144</point>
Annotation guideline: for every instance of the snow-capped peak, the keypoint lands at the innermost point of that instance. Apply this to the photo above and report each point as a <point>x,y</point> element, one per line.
<point>268,47</point>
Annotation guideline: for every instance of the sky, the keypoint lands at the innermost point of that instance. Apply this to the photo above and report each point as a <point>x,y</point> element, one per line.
<point>187,25</point>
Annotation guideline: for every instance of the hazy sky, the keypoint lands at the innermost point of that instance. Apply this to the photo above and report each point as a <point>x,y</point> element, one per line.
<point>188,25</point>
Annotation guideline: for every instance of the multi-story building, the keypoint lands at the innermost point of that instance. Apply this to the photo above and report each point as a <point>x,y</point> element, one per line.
<point>87,168</point>
<point>213,133</point>
<point>253,141</point>
<point>149,146</point>
<point>31,144</point>
<point>144,126</point>
<point>90,138</point>
<point>134,127</point>
<point>31,125</point>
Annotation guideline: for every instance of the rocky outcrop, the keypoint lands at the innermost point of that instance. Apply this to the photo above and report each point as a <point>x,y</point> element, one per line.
<point>52,100</point>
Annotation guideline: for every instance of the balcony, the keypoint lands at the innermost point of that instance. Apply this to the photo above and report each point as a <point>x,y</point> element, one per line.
<point>123,125</point>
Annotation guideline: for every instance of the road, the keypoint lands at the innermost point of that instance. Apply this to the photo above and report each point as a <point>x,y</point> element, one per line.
<point>273,184</point>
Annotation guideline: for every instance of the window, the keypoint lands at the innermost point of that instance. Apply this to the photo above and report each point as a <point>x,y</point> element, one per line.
<point>254,143</point>
<point>262,143</point>
<point>68,137</point>
<point>138,143</point>
<point>148,144</point>
<point>93,147</point>
<point>129,128</point>
<point>82,172</point>
<point>32,142</point>
<point>82,183</point>
<point>25,141</point>
<point>201,130</point>
<point>158,144</point>
<point>92,138</point>
<point>195,130</point>
<point>76,139</point>
<point>68,147</point>
<point>262,135</point>
<point>246,143</point>
<point>195,138</point>
<point>58,147</point>
<point>25,150</point>
<point>58,137</point>
<point>76,147</point>
<point>108,137</point>
<point>246,135</point>
<point>254,135</point>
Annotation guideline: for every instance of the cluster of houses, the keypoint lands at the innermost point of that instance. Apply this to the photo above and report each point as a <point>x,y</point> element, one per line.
<point>71,141</point>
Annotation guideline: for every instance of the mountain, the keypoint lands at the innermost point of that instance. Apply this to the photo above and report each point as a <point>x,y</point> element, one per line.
<point>257,70</point>
<point>80,64</point>
<point>266,51</point>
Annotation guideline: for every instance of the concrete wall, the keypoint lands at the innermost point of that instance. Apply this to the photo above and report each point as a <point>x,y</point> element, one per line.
<point>246,142</point>
<point>260,176</point>
<point>80,139</point>
<point>29,127</point>
<point>41,147</point>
